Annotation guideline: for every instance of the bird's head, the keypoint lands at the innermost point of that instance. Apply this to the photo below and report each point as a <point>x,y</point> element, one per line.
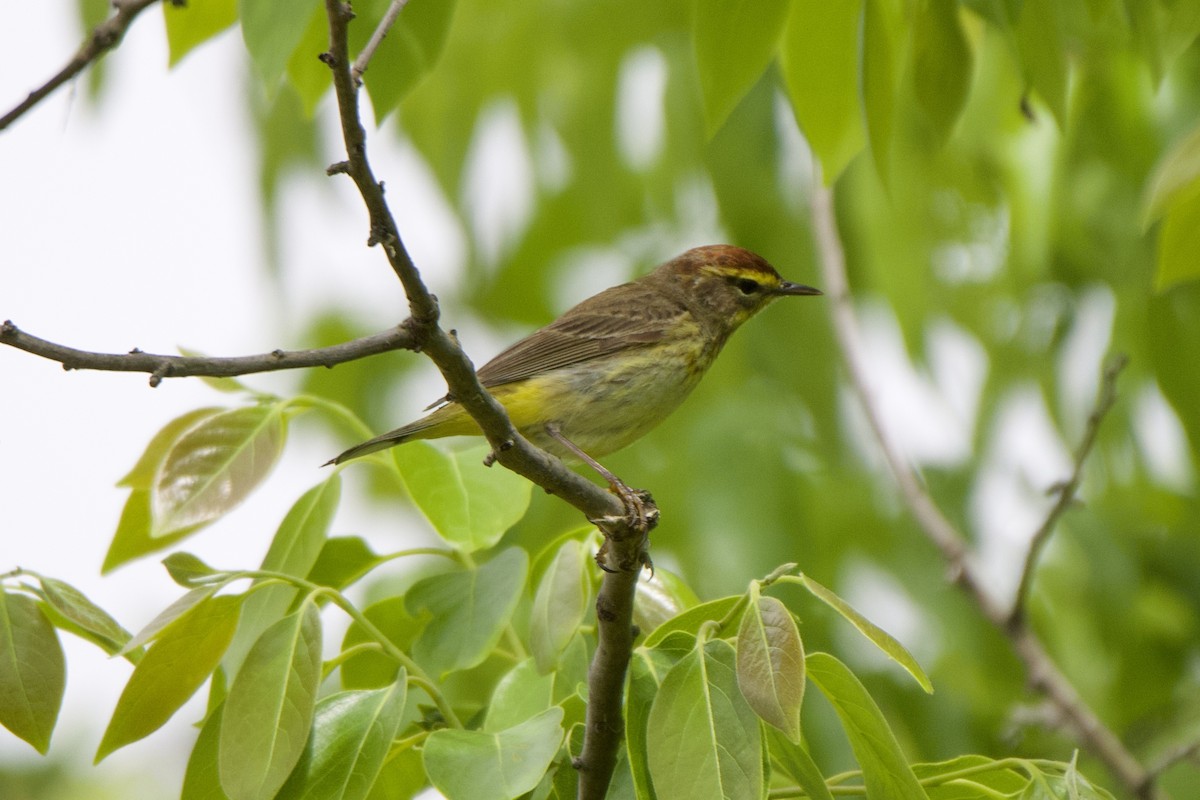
<point>726,285</point>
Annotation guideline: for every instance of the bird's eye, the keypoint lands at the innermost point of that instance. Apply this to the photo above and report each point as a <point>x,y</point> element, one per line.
<point>747,285</point>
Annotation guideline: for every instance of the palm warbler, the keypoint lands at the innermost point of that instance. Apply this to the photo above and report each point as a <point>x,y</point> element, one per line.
<point>610,369</point>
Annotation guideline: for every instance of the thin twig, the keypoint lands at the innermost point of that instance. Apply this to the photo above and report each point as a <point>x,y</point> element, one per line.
<point>1067,490</point>
<point>1042,674</point>
<point>380,33</point>
<point>104,37</point>
<point>170,366</point>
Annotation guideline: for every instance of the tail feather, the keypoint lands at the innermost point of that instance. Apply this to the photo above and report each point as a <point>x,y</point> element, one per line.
<point>448,420</point>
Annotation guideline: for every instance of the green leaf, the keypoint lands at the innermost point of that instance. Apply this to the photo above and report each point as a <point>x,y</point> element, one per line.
<point>522,693</point>
<point>142,474</point>
<point>132,539</point>
<point>470,505</point>
<point>32,671</point>
<point>409,51</point>
<point>880,55</point>
<point>88,619</point>
<point>294,550</point>
<point>1044,54</point>
<point>342,561</point>
<point>171,671</point>
<point>213,466</point>
<point>691,620</point>
<point>1179,244</point>
<point>560,604</point>
<point>942,64</point>
<point>226,385</point>
<point>477,765</point>
<point>352,733</point>
<point>190,571</point>
<point>202,780</point>
<point>370,669</point>
<point>310,76</point>
<point>819,54</point>
<point>646,671</point>
<point>469,611</point>
<point>189,26</point>
<point>703,739</point>
<point>770,664</point>
<point>169,616</point>
<point>270,707</point>
<point>878,636</point>
<point>735,40</point>
<point>886,772</point>
<point>272,29</point>
<point>660,597</point>
<point>796,762</point>
<point>1176,179</point>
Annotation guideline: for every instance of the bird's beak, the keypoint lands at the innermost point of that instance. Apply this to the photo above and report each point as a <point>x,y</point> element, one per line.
<point>789,288</point>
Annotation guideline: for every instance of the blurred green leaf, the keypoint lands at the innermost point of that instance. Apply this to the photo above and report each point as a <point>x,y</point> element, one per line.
<point>1044,54</point>
<point>1178,244</point>
<point>1176,179</point>
<point>213,466</point>
<point>272,29</point>
<point>559,604</point>
<point>886,772</point>
<point>410,50</point>
<point>470,505</point>
<point>308,75</point>
<point>191,25</point>
<point>819,53</point>
<point>770,664</point>
<point>352,734</point>
<point>735,40</point>
<point>795,761</point>
<point>173,668</point>
<point>476,765</point>
<point>270,707</point>
<point>32,671</point>
<point>942,64</point>
<point>468,611</point>
<point>880,54</point>
<point>703,739</point>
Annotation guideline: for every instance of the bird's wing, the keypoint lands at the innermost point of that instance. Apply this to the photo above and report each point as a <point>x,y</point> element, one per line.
<point>590,330</point>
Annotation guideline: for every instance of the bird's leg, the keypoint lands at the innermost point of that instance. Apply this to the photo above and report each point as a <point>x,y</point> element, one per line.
<point>641,513</point>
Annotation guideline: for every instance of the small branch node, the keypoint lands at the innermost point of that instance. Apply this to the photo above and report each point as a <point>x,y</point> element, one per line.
<point>338,168</point>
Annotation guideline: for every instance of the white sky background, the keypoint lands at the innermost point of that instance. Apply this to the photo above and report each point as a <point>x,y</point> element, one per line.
<point>137,225</point>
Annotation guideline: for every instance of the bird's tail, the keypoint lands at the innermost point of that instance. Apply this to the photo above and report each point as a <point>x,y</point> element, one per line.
<point>449,420</point>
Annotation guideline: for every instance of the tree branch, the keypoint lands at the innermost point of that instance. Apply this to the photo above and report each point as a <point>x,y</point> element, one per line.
<point>381,32</point>
<point>106,36</point>
<point>1043,675</point>
<point>171,366</point>
<point>625,540</point>
<point>1067,490</point>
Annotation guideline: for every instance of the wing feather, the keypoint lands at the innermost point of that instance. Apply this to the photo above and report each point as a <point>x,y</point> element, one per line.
<point>622,318</point>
